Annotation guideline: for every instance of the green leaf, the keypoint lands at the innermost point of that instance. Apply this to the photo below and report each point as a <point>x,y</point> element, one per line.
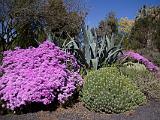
<point>95,63</point>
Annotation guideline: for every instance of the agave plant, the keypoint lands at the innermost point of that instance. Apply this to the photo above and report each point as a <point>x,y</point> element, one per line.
<point>7,32</point>
<point>95,54</point>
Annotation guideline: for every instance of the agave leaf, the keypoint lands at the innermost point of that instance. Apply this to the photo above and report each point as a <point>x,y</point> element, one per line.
<point>64,43</point>
<point>90,36</point>
<point>70,44</point>
<point>87,51</point>
<point>108,42</point>
<point>112,41</point>
<point>95,53</point>
<point>93,47</point>
<point>102,47</point>
<point>87,54</point>
<point>111,54</point>
<point>81,58</point>
<point>112,49</point>
<point>95,63</point>
<point>73,44</point>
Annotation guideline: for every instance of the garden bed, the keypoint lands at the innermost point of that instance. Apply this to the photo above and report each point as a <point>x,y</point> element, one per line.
<point>150,111</point>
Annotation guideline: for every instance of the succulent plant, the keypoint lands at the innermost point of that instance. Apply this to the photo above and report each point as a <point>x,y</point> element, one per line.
<point>107,90</point>
<point>7,32</point>
<point>95,53</point>
<point>139,58</point>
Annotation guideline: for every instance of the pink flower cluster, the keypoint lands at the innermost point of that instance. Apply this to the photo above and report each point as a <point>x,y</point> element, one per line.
<point>38,75</point>
<point>1,70</point>
<point>149,65</point>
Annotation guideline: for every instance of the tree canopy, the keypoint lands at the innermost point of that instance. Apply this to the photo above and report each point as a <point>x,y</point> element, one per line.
<point>34,19</point>
<point>147,28</point>
<point>108,26</point>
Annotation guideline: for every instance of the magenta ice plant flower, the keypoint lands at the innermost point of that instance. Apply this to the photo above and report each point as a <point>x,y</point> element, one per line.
<point>38,75</point>
<point>133,55</point>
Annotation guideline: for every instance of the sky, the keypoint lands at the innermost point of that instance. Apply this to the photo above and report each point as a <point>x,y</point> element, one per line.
<point>98,9</point>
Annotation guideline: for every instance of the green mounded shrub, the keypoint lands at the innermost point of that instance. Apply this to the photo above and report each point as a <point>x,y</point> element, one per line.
<point>106,90</point>
<point>145,80</point>
<point>135,66</point>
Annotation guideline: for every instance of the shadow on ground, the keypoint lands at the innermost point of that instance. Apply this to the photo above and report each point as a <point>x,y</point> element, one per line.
<point>150,111</point>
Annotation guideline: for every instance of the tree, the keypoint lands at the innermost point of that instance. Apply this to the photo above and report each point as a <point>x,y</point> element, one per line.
<point>35,19</point>
<point>146,29</point>
<point>7,25</point>
<point>108,26</point>
<point>125,27</point>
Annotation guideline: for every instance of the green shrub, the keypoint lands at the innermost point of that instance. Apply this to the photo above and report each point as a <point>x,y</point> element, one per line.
<point>146,29</point>
<point>156,59</point>
<point>135,66</point>
<point>106,90</point>
<point>145,80</point>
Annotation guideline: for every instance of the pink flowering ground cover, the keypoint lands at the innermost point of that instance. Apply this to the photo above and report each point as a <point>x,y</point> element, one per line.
<point>149,65</point>
<point>41,75</point>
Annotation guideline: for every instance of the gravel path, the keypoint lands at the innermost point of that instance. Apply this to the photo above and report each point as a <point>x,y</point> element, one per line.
<point>150,111</point>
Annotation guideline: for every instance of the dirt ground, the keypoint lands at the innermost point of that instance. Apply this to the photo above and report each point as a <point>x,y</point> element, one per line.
<point>150,111</point>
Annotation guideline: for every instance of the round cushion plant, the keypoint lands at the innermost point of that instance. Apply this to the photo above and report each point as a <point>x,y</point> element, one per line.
<point>134,66</point>
<point>106,90</point>
<point>147,81</point>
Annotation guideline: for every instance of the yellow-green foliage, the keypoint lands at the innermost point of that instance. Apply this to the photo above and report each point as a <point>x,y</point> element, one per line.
<point>145,80</point>
<point>106,90</point>
<point>134,66</point>
<point>125,25</point>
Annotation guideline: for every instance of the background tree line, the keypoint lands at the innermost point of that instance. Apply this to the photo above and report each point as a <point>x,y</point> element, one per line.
<point>27,23</point>
<point>142,32</point>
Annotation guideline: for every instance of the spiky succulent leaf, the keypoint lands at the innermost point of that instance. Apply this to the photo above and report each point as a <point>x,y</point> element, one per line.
<point>93,49</point>
<point>97,53</point>
<point>95,63</point>
<point>113,56</point>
